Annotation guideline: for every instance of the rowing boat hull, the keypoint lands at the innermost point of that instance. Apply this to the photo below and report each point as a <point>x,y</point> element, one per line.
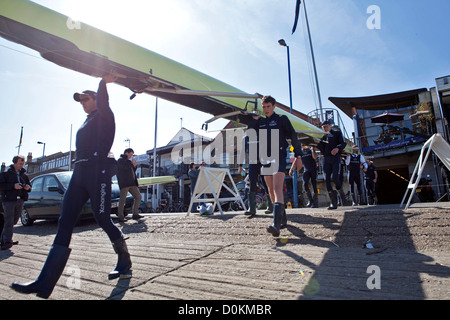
<point>88,50</point>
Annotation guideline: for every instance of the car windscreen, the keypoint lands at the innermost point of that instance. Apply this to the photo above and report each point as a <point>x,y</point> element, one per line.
<point>64,178</point>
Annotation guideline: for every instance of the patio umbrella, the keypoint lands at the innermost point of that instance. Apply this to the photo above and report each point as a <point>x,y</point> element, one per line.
<point>387,118</point>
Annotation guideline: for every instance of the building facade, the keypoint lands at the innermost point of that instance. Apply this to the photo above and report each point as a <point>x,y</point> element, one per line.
<point>391,130</point>
<point>53,163</point>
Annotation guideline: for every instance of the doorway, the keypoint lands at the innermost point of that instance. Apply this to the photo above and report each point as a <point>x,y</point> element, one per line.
<point>391,184</point>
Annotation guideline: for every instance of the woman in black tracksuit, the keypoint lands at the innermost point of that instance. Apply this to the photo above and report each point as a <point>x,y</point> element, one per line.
<point>91,179</point>
<point>273,132</point>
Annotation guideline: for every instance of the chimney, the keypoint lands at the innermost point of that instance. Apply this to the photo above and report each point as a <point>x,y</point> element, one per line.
<point>29,157</point>
<point>3,167</point>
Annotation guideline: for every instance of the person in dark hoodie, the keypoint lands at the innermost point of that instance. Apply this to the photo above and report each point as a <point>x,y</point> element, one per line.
<point>14,186</point>
<point>91,179</point>
<point>126,177</point>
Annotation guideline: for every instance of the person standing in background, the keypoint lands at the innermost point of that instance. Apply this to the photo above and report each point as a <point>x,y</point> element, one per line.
<point>126,177</point>
<point>307,161</point>
<point>354,162</point>
<point>371,177</point>
<point>14,186</point>
<point>193,176</point>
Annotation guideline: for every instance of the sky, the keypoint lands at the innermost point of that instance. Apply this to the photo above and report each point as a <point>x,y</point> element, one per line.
<point>235,41</point>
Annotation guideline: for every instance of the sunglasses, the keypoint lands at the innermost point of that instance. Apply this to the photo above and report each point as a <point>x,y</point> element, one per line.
<point>84,100</point>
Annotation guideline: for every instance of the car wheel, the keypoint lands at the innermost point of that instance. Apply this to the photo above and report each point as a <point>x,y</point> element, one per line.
<point>25,218</point>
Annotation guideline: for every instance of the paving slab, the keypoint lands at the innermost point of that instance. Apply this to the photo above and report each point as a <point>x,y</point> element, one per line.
<point>321,255</point>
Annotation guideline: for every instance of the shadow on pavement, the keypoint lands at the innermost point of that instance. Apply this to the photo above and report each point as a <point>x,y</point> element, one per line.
<point>352,270</point>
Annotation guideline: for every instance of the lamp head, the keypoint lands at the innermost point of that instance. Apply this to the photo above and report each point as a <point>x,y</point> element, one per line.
<point>281,42</point>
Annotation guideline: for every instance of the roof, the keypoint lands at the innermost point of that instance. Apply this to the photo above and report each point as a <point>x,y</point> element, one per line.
<point>179,137</point>
<point>379,102</point>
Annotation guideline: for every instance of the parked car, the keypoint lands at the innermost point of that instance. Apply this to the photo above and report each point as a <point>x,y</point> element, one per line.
<point>45,198</point>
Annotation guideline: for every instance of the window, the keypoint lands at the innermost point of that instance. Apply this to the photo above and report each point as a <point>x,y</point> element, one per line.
<point>50,181</point>
<point>378,136</point>
<point>37,184</point>
<point>167,163</point>
<point>65,179</point>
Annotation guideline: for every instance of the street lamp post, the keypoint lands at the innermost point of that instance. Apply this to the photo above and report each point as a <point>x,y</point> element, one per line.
<point>154,194</point>
<point>281,42</point>
<point>43,155</point>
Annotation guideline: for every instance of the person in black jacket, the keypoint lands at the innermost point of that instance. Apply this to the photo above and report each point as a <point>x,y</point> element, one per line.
<point>371,178</point>
<point>307,161</point>
<point>274,130</point>
<point>14,185</point>
<point>126,177</point>
<point>91,179</point>
<point>331,146</point>
<point>355,162</point>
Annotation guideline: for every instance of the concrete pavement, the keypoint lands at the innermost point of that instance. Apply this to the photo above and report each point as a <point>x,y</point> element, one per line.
<point>321,255</point>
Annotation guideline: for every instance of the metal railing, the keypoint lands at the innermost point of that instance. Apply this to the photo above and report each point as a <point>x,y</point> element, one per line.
<point>329,114</point>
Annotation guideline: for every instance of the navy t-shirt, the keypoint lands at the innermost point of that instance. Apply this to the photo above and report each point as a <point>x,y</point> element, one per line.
<point>370,173</point>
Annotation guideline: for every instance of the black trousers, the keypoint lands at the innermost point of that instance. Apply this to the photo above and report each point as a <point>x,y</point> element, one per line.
<point>310,175</point>
<point>253,173</point>
<point>89,181</point>
<point>332,170</point>
<point>370,187</point>
<point>352,179</point>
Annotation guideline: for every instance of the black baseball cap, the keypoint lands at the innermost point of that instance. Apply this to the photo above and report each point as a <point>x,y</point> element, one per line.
<point>92,94</point>
<point>326,123</point>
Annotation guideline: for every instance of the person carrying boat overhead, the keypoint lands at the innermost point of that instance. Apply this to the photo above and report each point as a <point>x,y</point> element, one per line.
<point>274,130</point>
<point>91,179</point>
